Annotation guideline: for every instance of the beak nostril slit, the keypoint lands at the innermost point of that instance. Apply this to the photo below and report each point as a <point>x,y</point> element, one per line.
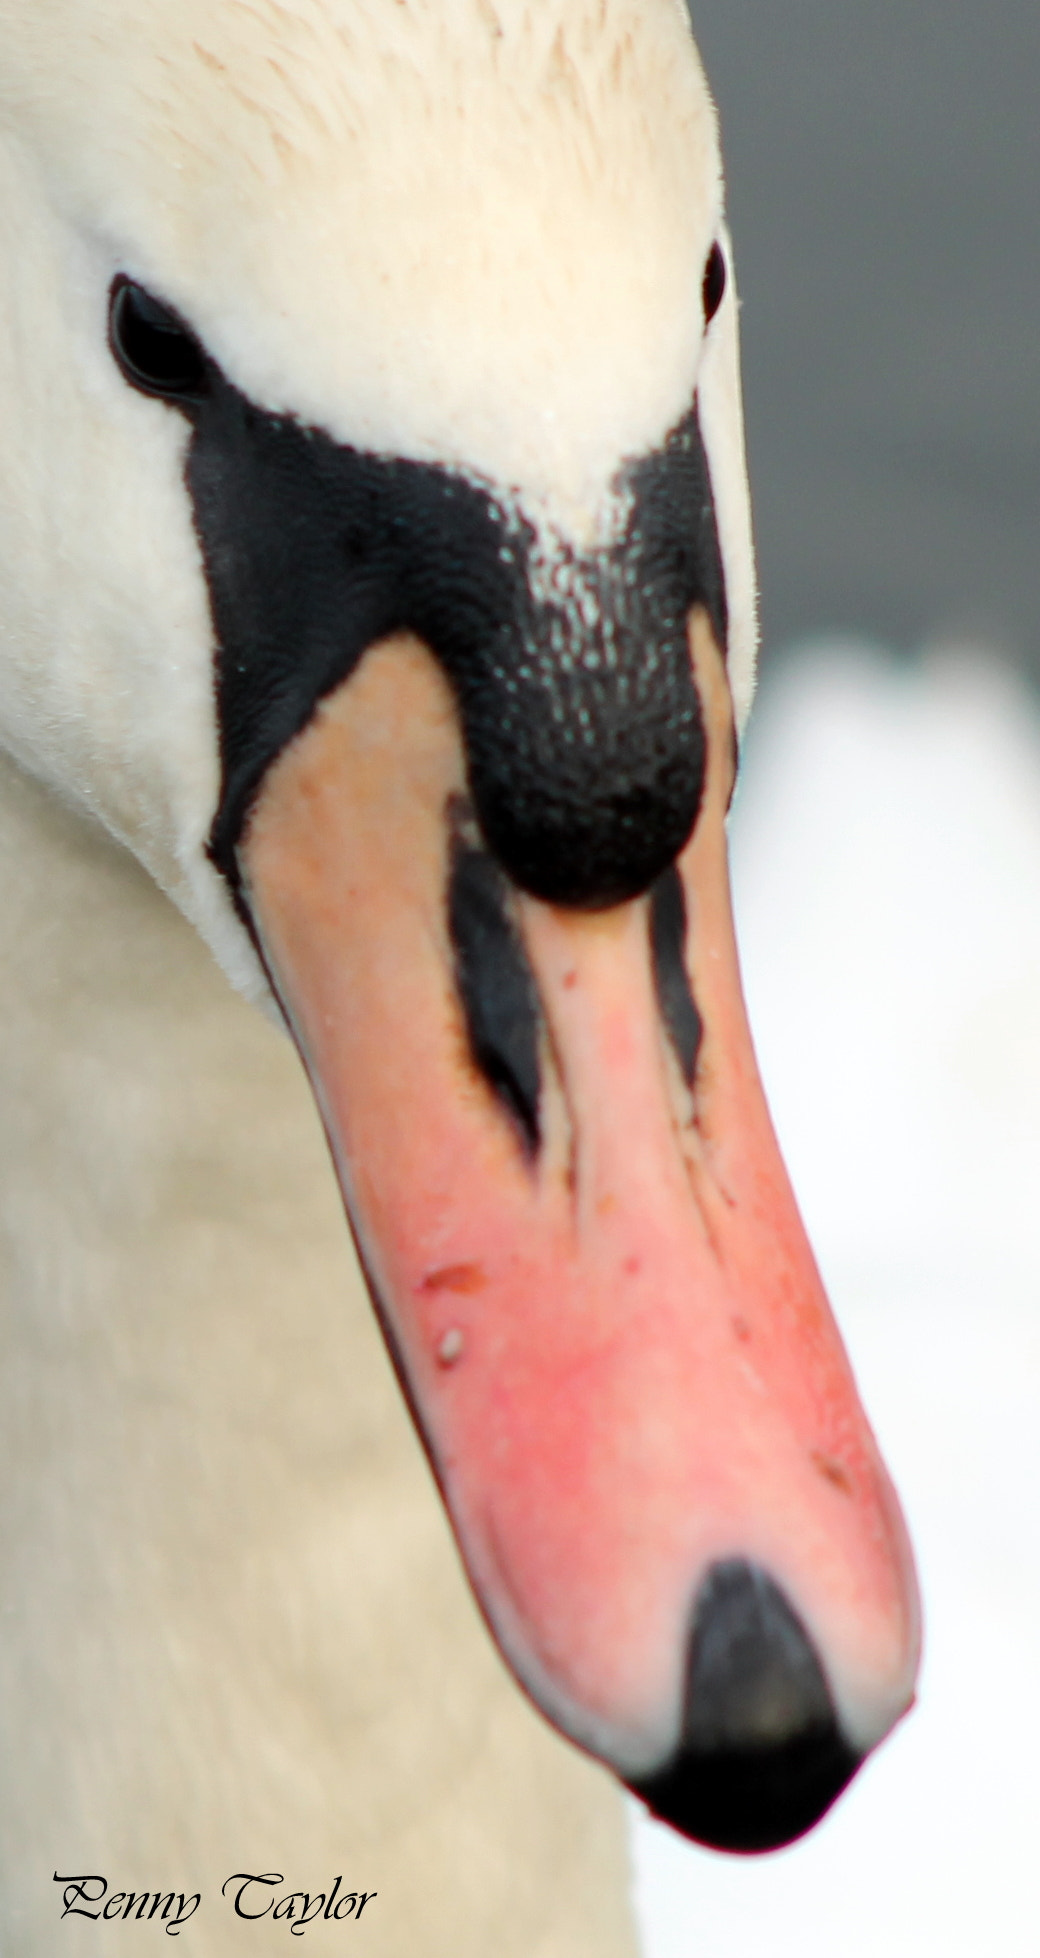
<point>668,945</point>
<point>495,983</point>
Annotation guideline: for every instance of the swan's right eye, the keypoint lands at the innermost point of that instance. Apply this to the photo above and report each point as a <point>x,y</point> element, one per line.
<point>714,282</point>
<point>153,347</point>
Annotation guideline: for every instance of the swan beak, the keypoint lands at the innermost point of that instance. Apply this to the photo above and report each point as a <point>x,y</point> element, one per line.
<point>579,1235</point>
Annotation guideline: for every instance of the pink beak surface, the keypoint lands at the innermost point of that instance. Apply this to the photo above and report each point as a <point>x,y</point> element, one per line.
<point>561,1174</point>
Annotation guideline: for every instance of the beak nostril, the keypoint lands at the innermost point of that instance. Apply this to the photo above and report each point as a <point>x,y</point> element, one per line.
<point>495,984</point>
<point>762,1756</point>
<point>672,981</point>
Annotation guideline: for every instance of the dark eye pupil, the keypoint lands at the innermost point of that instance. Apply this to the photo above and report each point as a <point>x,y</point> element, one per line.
<point>155,351</point>
<point>714,282</point>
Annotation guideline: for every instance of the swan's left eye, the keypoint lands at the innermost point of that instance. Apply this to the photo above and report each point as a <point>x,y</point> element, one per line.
<point>714,282</point>
<point>153,347</point>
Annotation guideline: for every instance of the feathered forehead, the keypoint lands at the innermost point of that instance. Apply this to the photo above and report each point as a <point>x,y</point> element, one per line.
<point>404,220</point>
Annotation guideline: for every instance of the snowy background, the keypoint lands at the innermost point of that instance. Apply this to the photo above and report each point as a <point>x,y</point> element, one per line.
<point>887,870</point>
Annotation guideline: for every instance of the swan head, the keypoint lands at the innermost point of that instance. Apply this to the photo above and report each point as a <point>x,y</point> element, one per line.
<point>377,568</point>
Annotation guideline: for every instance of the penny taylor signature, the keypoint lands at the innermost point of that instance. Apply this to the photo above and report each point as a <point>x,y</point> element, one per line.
<point>88,1896</point>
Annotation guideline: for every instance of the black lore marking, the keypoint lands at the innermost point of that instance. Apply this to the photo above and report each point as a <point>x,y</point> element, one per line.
<point>496,985</point>
<point>571,670</point>
<point>668,945</point>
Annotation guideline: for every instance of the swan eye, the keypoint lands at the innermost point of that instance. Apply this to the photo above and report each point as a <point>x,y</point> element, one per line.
<point>153,347</point>
<point>714,282</point>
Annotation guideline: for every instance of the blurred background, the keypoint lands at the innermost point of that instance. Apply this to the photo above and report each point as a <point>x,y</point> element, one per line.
<point>883,166</point>
<point>883,172</point>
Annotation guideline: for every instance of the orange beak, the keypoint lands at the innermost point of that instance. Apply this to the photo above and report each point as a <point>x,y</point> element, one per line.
<point>561,1173</point>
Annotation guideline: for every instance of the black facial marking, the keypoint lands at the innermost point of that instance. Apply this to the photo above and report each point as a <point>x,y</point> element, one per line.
<point>668,945</point>
<point>581,723</point>
<point>495,983</point>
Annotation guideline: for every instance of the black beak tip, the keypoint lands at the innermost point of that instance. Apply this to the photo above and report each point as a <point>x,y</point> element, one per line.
<point>750,1800</point>
<point>762,1756</point>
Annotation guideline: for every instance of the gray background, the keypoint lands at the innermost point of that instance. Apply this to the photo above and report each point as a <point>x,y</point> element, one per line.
<point>883,163</point>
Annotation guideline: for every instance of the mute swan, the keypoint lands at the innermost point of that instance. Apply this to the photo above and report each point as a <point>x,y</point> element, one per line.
<point>377,579</point>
